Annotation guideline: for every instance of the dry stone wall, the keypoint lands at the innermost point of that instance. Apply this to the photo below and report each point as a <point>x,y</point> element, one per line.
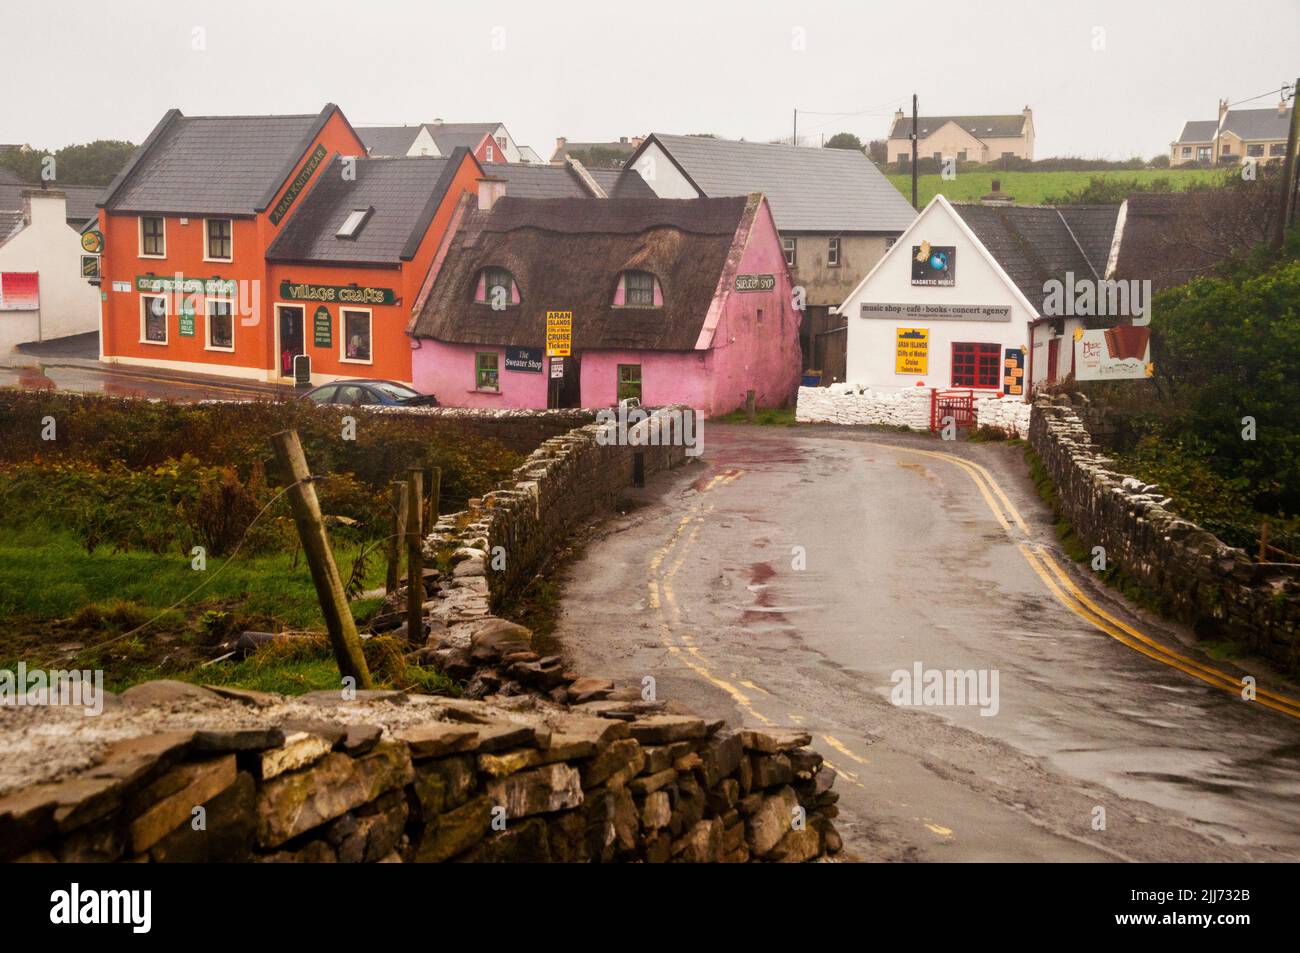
<point>852,405</point>
<point>177,772</point>
<point>1195,576</point>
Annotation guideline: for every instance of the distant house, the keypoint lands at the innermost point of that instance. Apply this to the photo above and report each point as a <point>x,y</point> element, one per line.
<point>43,293</point>
<point>1237,135</point>
<point>964,291</point>
<point>668,302</point>
<point>964,138</point>
<point>837,214</point>
<point>572,180</point>
<point>488,142</point>
<point>14,147</point>
<point>617,152</point>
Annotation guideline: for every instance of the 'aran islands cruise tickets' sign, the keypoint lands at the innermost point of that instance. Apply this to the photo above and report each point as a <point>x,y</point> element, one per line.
<point>938,312</point>
<point>340,294</point>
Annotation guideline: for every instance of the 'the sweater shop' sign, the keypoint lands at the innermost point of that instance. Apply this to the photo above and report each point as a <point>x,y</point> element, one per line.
<point>341,294</point>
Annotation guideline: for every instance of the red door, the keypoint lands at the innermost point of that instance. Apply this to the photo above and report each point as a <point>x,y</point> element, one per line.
<point>1053,351</point>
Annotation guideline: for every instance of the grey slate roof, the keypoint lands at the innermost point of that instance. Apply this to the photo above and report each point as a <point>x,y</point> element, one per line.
<point>539,181</point>
<point>620,186</point>
<point>809,190</point>
<point>212,164</point>
<point>388,140</point>
<point>452,135</point>
<point>81,199</point>
<point>405,194</point>
<point>1264,124</point>
<point>981,127</point>
<point>11,223</point>
<point>1033,244</point>
<point>1199,130</point>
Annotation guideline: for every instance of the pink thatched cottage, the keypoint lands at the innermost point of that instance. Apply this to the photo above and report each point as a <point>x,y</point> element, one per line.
<point>664,300</point>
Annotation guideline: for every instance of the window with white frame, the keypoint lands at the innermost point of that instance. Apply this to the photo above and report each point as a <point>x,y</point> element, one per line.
<point>638,289</point>
<point>356,336</point>
<point>221,324</point>
<point>833,253</point>
<point>489,155</point>
<point>153,319</point>
<point>787,244</point>
<point>220,244</point>
<point>153,237</point>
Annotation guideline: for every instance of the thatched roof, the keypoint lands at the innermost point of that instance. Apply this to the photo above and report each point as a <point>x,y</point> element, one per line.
<point>568,254</point>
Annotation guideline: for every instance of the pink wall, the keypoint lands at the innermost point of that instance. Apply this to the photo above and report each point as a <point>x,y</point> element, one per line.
<point>746,354</point>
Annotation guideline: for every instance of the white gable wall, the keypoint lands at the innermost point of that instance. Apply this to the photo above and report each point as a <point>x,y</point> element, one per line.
<point>49,246</point>
<point>424,145</point>
<point>872,342</point>
<point>664,178</point>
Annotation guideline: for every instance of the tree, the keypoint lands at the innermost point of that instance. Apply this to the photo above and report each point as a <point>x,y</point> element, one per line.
<point>600,157</point>
<point>844,140</point>
<point>878,151</point>
<point>92,163</point>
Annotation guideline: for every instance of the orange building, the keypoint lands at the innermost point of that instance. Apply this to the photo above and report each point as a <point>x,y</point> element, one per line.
<point>222,252</point>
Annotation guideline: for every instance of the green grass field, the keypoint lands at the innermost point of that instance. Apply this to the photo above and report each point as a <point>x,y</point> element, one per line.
<point>1033,188</point>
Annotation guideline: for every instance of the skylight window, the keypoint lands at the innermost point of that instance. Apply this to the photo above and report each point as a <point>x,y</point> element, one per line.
<point>351,227</point>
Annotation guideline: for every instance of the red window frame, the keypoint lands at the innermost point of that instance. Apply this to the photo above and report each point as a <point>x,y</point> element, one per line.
<point>976,364</point>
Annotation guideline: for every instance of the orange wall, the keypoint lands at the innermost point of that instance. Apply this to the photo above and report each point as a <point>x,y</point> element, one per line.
<point>254,334</point>
<point>390,345</point>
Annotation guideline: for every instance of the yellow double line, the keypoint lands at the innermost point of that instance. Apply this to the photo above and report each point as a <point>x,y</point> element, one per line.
<point>1073,598</point>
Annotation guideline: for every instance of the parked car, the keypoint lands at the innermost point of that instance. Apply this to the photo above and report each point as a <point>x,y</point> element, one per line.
<point>369,393</point>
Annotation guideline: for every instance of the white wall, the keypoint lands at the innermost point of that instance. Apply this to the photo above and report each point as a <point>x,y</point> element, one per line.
<point>423,145</point>
<point>664,178</point>
<point>978,281</point>
<point>49,246</point>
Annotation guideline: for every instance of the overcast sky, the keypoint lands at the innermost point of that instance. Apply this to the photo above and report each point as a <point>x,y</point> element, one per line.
<point>77,71</point>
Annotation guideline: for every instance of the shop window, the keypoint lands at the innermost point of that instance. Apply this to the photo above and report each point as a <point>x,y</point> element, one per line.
<point>356,336</point>
<point>153,238</point>
<point>833,253</point>
<point>153,319</point>
<point>638,289</point>
<point>787,244</point>
<point>496,287</point>
<point>220,246</point>
<point>221,325</point>
<point>629,381</point>
<point>487,371</point>
<point>976,365</point>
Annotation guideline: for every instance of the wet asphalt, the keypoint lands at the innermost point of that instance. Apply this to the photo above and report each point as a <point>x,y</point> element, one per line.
<point>786,575</point>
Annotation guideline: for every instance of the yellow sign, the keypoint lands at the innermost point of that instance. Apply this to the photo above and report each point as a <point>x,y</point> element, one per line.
<point>559,333</point>
<point>92,241</point>
<point>912,355</point>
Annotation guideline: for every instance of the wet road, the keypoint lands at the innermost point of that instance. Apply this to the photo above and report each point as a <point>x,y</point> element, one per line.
<point>28,373</point>
<point>916,552</point>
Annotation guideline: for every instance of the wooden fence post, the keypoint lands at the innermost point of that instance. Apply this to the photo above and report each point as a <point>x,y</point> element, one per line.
<point>414,556</point>
<point>1263,541</point>
<point>396,538</point>
<point>339,623</point>
<point>435,491</point>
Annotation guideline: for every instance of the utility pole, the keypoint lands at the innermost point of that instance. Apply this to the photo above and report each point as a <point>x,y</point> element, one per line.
<point>794,139</point>
<point>1286,213</point>
<point>914,205</point>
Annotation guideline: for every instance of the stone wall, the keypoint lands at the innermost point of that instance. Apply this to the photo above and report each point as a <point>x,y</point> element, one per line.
<point>176,772</point>
<point>1192,574</point>
<point>563,484</point>
<point>851,405</point>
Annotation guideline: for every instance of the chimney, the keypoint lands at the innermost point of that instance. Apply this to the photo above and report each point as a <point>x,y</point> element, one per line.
<point>560,143</point>
<point>622,140</point>
<point>997,196</point>
<point>636,141</point>
<point>42,205</point>
<point>490,188</point>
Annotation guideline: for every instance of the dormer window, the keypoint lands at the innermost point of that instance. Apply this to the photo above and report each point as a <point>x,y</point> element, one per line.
<point>638,289</point>
<point>497,288</point>
<point>353,224</point>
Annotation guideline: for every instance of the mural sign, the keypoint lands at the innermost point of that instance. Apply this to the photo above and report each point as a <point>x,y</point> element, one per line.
<point>934,265</point>
<point>1119,353</point>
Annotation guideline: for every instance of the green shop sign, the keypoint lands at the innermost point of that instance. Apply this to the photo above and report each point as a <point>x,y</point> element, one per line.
<point>298,184</point>
<point>211,287</point>
<point>185,320</point>
<point>323,327</point>
<point>337,294</point>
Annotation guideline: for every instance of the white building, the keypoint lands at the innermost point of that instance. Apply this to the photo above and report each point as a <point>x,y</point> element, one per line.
<point>959,300</point>
<point>43,293</point>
